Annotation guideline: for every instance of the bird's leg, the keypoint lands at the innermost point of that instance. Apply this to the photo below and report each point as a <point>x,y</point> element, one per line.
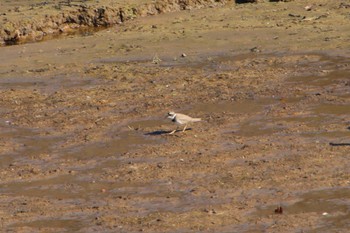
<point>172,132</point>
<point>184,128</point>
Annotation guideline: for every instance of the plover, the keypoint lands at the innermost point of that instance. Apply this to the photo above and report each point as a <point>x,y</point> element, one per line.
<point>181,119</point>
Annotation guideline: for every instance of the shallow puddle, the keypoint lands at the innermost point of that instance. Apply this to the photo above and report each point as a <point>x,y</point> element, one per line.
<point>242,107</point>
<point>330,204</point>
<point>259,128</point>
<point>47,84</point>
<point>27,144</point>
<point>332,109</point>
<point>58,225</point>
<point>111,147</point>
<point>62,187</point>
<point>326,80</point>
<point>81,165</point>
<point>149,123</point>
<point>175,204</point>
<point>311,121</point>
<point>339,136</point>
<point>328,200</point>
<point>71,185</point>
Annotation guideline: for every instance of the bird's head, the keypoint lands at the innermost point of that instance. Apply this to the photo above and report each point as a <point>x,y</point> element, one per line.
<point>171,115</point>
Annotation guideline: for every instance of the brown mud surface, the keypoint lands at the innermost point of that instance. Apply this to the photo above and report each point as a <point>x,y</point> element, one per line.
<point>33,20</point>
<point>84,143</point>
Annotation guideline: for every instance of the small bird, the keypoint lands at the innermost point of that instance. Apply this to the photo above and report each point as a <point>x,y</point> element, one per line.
<point>181,119</point>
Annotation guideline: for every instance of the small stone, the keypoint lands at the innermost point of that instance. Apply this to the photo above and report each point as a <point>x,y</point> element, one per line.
<point>308,8</point>
<point>279,210</point>
<point>255,50</point>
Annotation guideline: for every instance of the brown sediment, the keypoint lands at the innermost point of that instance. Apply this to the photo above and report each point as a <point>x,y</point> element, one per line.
<point>84,143</point>
<point>70,16</point>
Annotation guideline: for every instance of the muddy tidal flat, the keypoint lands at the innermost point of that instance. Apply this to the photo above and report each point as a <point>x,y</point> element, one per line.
<point>85,87</point>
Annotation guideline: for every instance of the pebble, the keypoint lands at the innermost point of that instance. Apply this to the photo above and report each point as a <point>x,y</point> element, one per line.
<point>308,8</point>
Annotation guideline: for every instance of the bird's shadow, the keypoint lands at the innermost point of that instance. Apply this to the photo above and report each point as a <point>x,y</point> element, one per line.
<point>162,132</point>
<point>157,132</point>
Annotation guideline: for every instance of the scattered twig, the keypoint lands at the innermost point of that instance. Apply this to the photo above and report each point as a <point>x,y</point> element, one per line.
<point>131,128</point>
<point>339,143</point>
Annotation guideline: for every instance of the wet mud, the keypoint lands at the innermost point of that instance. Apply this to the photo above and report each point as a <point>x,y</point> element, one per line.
<point>84,143</point>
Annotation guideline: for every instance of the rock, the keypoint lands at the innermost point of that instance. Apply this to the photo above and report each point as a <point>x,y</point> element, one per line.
<point>255,50</point>
<point>308,8</point>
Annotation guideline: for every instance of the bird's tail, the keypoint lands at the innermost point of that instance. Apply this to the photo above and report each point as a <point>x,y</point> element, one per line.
<point>196,119</point>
